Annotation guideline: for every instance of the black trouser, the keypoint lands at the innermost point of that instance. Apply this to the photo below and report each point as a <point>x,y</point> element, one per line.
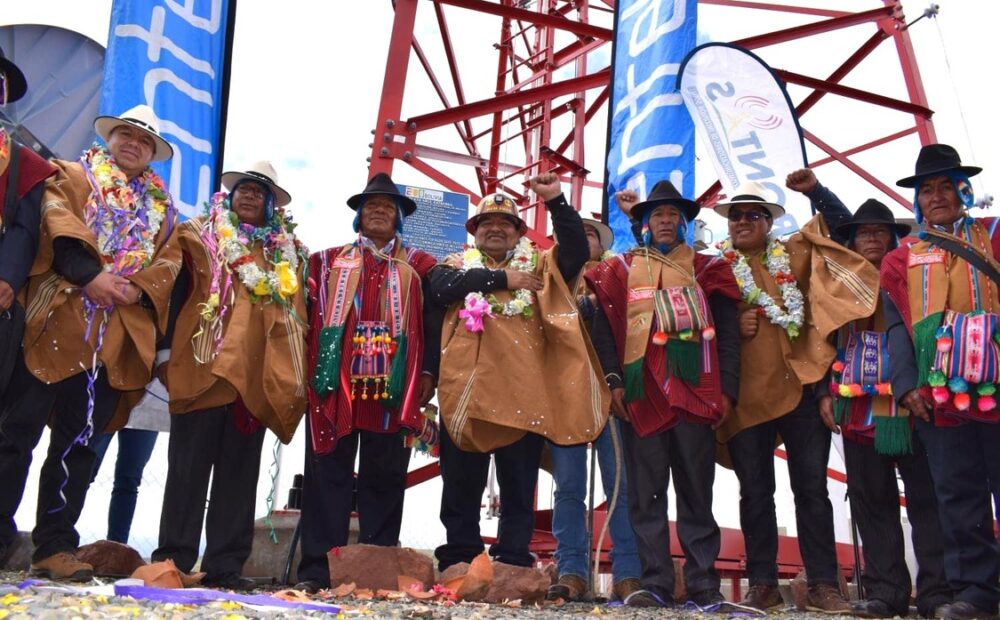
<point>874,494</point>
<point>965,464</point>
<point>688,450</point>
<point>463,475</point>
<point>207,444</point>
<point>29,405</point>
<point>807,442</point>
<point>327,497</point>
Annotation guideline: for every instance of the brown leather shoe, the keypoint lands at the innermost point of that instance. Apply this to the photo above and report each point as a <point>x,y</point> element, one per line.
<point>621,590</point>
<point>569,588</point>
<point>763,597</point>
<point>826,598</point>
<point>62,565</point>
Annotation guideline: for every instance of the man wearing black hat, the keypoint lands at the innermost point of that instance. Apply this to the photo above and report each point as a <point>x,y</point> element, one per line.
<point>941,306</point>
<point>98,294</point>
<point>22,180</point>
<point>668,339</point>
<point>373,356</point>
<point>877,436</point>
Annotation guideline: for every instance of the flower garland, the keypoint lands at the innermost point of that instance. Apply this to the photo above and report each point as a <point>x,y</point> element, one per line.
<point>126,225</point>
<point>231,242</point>
<point>477,305</point>
<point>776,260</point>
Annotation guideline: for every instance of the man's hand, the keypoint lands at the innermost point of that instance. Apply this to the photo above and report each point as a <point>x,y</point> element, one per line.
<point>546,185</point>
<point>727,410</point>
<point>748,323</point>
<point>6,296</point>
<point>917,405</point>
<point>133,293</point>
<point>425,390</point>
<point>107,290</point>
<point>826,413</point>
<point>618,406</point>
<point>519,279</point>
<point>626,199</point>
<point>802,181</point>
<point>160,372</point>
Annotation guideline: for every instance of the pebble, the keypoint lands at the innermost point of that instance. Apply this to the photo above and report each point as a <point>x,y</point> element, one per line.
<point>39,604</point>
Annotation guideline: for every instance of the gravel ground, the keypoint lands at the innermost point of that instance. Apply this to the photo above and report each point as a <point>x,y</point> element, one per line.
<point>40,602</point>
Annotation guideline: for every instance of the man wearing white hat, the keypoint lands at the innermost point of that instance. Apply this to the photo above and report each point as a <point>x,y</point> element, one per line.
<point>98,294</point>
<point>795,293</point>
<point>236,366</point>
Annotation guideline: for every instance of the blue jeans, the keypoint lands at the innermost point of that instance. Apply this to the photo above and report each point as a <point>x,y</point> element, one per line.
<point>134,449</point>
<point>569,522</point>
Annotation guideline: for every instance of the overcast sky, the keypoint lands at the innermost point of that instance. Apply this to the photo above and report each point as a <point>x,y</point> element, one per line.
<point>306,86</point>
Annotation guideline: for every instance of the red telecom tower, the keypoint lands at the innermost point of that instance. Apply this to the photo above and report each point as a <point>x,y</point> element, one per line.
<point>544,100</point>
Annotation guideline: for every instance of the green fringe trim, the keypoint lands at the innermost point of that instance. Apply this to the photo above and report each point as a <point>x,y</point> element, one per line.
<point>684,359</point>
<point>840,408</point>
<point>327,373</point>
<point>634,389</point>
<point>397,374</point>
<point>892,436</point>
<point>925,344</point>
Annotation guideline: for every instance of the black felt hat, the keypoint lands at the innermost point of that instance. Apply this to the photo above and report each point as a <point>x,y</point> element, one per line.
<point>14,80</point>
<point>873,212</point>
<point>381,185</point>
<point>664,193</point>
<point>937,159</point>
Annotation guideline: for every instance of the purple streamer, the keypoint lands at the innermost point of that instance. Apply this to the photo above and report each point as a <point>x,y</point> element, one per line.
<point>202,596</point>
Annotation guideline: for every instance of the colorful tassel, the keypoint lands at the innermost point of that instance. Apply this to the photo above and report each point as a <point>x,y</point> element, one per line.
<point>708,334</point>
<point>963,402</point>
<point>659,338</point>
<point>986,403</point>
<point>328,360</point>
<point>940,395</point>
<point>893,436</point>
<point>634,389</point>
<point>397,372</point>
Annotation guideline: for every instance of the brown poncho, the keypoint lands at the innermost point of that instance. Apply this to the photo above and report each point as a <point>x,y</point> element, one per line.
<point>261,359</point>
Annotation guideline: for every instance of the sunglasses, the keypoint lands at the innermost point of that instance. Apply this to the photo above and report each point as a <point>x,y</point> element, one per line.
<point>750,216</point>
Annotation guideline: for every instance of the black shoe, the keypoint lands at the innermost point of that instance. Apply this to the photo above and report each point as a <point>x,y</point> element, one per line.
<point>962,610</point>
<point>310,586</point>
<point>648,598</point>
<point>229,581</point>
<point>707,598</point>
<point>875,608</point>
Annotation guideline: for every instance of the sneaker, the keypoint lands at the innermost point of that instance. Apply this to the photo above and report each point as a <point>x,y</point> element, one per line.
<point>826,598</point>
<point>962,610</point>
<point>622,589</point>
<point>62,565</point>
<point>875,608</point>
<point>229,581</point>
<point>570,587</point>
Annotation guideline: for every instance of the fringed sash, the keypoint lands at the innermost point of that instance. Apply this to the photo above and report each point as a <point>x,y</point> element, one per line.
<point>378,348</point>
<point>953,311</point>
<point>663,291</point>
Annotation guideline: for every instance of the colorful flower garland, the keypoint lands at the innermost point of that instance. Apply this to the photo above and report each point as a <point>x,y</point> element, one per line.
<point>229,244</point>
<point>776,260</point>
<point>477,305</point>
<point>126,230</point>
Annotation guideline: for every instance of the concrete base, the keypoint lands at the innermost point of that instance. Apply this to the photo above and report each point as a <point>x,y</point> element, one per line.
<point>267,560</point>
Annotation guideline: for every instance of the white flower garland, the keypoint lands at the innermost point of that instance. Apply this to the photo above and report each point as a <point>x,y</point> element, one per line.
<point>779,266</point>
<point>279,249</point>
<point>524,260</point>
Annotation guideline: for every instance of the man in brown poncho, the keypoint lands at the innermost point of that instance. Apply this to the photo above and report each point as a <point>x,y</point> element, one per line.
<point>516,368</point>
<point>237,366</point>
<point>794,294</point>
<point>97,296</point>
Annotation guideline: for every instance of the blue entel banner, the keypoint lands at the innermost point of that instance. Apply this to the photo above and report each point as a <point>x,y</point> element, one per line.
<point>651,135</point>
<point>171,56</point>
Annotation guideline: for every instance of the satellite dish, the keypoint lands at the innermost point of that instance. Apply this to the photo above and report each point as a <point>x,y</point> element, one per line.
<point>64,70</point>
